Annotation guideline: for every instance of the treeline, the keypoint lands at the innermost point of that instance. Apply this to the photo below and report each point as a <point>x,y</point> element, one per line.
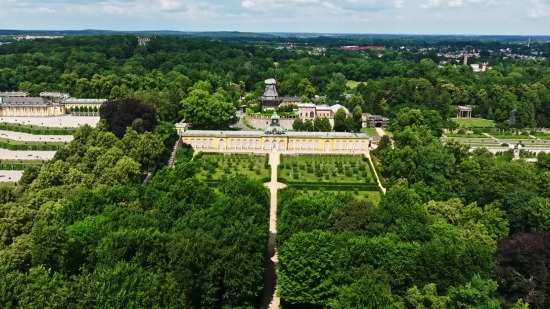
<point>161,73</point>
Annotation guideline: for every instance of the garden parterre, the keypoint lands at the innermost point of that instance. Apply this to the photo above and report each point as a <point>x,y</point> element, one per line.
<point>215,166</point>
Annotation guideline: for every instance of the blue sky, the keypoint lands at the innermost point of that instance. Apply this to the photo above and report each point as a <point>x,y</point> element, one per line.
<point>523,17</point>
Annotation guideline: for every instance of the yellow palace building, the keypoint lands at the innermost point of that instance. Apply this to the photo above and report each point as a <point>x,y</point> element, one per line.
<point>274,138</point>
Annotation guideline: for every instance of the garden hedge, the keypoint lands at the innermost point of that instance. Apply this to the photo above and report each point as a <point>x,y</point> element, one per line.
<point>45,147</point>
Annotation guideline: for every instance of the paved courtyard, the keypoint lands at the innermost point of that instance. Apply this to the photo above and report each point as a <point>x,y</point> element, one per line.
<point>35,138</point>
<point>68,121</point>
<point>10,176</point>
<point>26,155</point>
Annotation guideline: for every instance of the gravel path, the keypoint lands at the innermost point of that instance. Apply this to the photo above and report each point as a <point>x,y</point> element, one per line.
<point>270,299</point>
<point>18,136</point>
<point>26,155</point>
<point>10,176</point>
<point>68,121</point>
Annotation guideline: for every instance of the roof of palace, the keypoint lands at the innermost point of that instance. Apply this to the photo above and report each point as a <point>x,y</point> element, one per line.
<point>257,134</point>
<point>84,101</point>
<point>14,94</point>
<point>26,101</point>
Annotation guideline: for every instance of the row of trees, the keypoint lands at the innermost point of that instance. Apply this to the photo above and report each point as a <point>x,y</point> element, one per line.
<point>162,73</point>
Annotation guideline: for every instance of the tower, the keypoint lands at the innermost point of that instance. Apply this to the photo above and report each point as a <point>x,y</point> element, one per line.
<point>466,58</point>
<point>270,99</point>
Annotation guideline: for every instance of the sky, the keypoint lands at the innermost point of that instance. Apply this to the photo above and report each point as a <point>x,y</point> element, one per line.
<point>517,17</point>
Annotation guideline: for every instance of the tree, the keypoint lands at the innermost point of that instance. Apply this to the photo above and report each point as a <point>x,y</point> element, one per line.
<point>358,118</point>
<point>208,110</point>
<point>352,217</point>
<point>351,125</point>
<point>427,298</point>
<point>478,293</point>
<point>308,126</point>
<point>298,125</point>
<point>120,115</point>
<point>316,251</point>
<point>340,120</point>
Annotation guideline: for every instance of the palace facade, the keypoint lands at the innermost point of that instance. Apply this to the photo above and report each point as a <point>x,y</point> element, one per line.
<point>273,138</point>
<point>48,104</point>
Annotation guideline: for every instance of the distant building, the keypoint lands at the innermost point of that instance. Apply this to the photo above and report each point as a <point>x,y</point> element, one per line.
<point>270,99</point>
<point>19,104</point>
<point>464,112</point>
<point>143,41</point>
<point>309,111</point>
<point>374,121</point>
<point>356,48</point>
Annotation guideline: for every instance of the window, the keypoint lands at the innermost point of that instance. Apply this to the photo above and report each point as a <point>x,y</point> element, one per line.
<point>282,145</point>
<point>204,143</point>
<point>238,143</point>
<point>337,145</point>
<point>356,145</point>
<point>211,143</point>
<point>245,144</point>
<point>363,145</point>
<point>232,143</point>
<point>311,115</point>
<point>344,145</point>
<point>291,145</point>
<point>186,141</point>
<point>310,144</point>
<point>193,143</point>
<point>257,143</point>
<point>316,144</point>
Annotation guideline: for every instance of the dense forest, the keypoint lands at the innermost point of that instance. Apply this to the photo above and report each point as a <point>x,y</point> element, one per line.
<point>162,73</point>
<point>456,229</point>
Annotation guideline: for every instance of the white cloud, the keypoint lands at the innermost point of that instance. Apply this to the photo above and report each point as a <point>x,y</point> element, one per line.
<point>398,4</point>
<point>537,9</point>
<point>431,4</point>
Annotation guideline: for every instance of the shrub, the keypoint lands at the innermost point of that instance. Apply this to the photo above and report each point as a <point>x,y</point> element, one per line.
<point>476,131</point>
<point>504,145</point>
<point>461,131</point>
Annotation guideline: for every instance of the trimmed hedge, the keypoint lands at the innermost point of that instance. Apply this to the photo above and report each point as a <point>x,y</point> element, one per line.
<point>15,167</point>
<point>330,186</point>
<point>45,147</point>
<point>37,130</point>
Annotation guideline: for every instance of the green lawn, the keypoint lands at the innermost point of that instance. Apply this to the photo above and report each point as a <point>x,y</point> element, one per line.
<point>511,136</point>
<point>353,84</point>
<point>372,196</point>
<point>466,135</point>
<point>369,131</point>
<point>216,166</point>
<point>325,169</point>
<point>475,122</point>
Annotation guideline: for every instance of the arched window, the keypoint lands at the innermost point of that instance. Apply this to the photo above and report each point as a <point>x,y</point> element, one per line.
<point>193,143</point>
<point>199,144</point>
<point>311,115</point>
<point>204,143</point>
<point>257,144</point>
<point>238,143</point>
<point>363,145</point>
<point>344,145</point>
<point>327,146</point>
<point>245,144</point>
<point>337,145</point>
<point>357,145</point>
<point>222,144</point>
<point>282,145</point>
<point>316,144</point>
<point>291,145</point>
<point>186,141</point>
<point>310,144</point>
<point>350,145</point>
<point>232,143</point>
<point>211,143</point>
<point>304,145</point>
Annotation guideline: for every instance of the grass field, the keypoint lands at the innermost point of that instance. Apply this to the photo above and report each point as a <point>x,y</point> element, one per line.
<point>353,84</point>
<point>474,122</point>
<point>325,169</point>
<point>512,136</point>
<point>216,166</point>
<point>369,131</point>
<point>372,196</point>
<point>467,135</point>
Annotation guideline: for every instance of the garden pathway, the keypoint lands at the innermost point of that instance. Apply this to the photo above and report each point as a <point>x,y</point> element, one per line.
<point>375,174</point>
<point>25,137</point>
<point>488,135</point>
<point>270,298</point>
<point>380,131</point>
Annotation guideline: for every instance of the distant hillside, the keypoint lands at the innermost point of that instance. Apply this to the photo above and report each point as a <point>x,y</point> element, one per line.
<point>206,34</point>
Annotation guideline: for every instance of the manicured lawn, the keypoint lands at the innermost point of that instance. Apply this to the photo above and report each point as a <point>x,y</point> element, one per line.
<point>475,122</point>
<point>511,136</point>
<point>216,166</point>
<point>7,184</point>
<point>471,135</point>
<point>369,131</point>
<point>325,169</point>
<point>372,196</point>
<point>353,84</point>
